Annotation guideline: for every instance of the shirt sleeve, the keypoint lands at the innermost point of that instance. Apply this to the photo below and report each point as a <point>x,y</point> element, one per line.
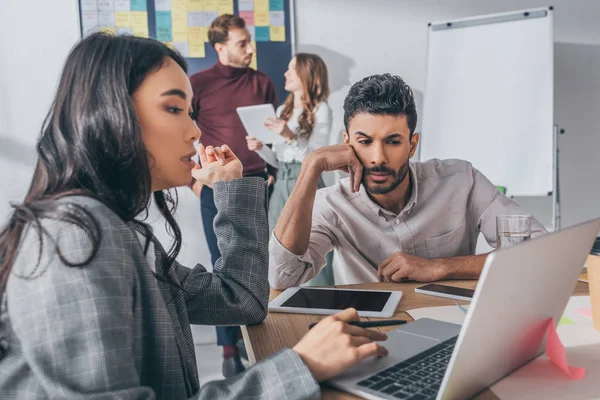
<point>267,154</point>
<point>485,203</point>
<point>237,291</point>
<point>287,269</point>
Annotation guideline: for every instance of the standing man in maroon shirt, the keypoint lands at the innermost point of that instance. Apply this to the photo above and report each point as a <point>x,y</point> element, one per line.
<point>218,91</point>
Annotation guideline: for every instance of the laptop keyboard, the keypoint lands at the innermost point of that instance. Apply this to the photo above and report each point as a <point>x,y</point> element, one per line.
<point>418,378</point>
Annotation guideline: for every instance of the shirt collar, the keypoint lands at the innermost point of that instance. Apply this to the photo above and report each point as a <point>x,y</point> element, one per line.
<point>412,201</point>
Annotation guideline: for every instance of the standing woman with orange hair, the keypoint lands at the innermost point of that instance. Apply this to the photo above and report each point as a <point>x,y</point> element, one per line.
<point>305,123</point>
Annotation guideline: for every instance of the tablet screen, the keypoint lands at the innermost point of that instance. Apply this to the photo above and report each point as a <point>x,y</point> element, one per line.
<point>338,299</point>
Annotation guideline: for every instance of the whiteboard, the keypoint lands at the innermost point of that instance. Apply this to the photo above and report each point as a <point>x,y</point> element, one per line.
<point>489,98</point>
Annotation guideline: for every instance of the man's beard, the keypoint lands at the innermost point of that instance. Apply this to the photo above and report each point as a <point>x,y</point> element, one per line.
<point>377,188</point>
<point>241,61</point>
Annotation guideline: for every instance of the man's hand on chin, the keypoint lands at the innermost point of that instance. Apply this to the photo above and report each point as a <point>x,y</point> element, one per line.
<point>401,267</point>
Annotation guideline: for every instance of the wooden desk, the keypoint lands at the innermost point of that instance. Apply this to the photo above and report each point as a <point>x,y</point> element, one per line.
<point>281,330</point>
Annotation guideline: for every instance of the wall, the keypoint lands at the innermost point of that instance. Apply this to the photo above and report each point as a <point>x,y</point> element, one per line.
<point>360,38</point>
<point>33,47</point>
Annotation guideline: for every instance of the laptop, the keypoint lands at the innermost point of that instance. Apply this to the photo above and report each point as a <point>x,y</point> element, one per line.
<point>520,288</point>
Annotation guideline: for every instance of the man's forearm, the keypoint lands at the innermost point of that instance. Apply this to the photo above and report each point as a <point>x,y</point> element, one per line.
<point>465,267</point>
<point>295,222</point>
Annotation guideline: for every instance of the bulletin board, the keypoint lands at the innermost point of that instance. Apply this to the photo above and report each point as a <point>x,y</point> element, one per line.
<point>183,25</point>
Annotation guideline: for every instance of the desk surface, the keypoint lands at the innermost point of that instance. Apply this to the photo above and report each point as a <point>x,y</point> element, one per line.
<point>281,330</point>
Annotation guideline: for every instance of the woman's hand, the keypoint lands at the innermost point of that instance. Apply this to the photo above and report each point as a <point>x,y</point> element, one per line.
<point>279,126</point>
<point>217,164</point>
<point>254,144</point>
<point>333,346</point>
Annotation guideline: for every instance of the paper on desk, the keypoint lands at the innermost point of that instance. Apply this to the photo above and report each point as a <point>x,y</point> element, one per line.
<point>585,311</point>
<point>541,380</point>
<point>557,354</point>
<point>451,314</point>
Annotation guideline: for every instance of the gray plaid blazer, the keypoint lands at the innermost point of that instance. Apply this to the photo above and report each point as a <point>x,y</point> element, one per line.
<point>112,330</point>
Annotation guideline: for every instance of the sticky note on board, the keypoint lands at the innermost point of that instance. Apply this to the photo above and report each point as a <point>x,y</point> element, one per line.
<point>122,5</point>
<point>197,50</point>
<point>276,5</point>
<point>164,31</point>
<point>179,26</point>
<point>209,17</point>
<point>162,5</point>
<point>89,21</point>
<point>261,18</point>
<point>139,5</point>
<point>106,5</point>
<point>195,5</point>
<point>210,5</point>
<point>89,5</point>
<point>225,7</point>
<point>276,18</point>
<point>262,33</point>
<point>122,18</point>
<point>277,33</point>
<point>248,17</point>
<point>195,18</point>
<point>261,5</point>
<point>139,23</point>
<point>197,35</point>
<point>179,6</point>
<point>245,5</point>
<point>182,47</point>
<point>106,18</point>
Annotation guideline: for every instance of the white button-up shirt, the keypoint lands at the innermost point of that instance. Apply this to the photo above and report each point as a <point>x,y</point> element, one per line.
<point>450,204</point>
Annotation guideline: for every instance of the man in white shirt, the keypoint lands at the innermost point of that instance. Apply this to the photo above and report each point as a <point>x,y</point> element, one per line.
<point>391,219</point>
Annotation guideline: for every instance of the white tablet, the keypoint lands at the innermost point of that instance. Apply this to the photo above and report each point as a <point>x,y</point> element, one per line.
<point>253,118</point>
<point>326,301</point>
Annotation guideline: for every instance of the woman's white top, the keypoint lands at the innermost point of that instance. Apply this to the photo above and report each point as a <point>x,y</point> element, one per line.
<point>283,152</point>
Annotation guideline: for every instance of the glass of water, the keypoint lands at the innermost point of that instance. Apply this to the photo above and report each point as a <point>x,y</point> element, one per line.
<point>512,230</point>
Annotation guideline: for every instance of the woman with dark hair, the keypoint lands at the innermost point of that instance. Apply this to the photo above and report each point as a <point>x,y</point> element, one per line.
<point>91,304</point>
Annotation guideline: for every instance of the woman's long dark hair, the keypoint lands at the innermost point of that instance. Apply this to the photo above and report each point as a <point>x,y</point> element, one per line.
<point>91,145</point>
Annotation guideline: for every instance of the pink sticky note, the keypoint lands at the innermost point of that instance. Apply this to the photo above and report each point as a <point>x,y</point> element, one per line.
<point>556,353</point>
<point>585,311</point>
<point>247,16</point>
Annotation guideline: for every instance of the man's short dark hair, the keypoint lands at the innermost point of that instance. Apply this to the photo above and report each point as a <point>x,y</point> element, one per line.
<point>381,95</point>
<point>219,29</point>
